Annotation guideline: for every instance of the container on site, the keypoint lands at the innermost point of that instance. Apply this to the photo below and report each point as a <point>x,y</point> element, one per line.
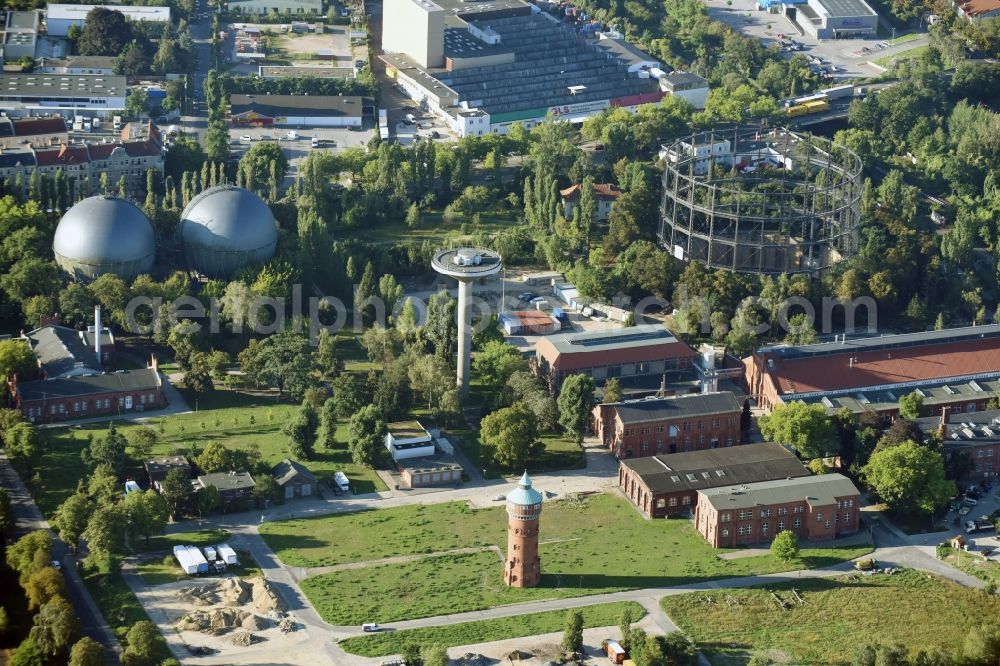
<point>227,554</point>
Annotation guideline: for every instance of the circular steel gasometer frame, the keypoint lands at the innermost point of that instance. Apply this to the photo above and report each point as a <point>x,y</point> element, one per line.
<point>761,200</point>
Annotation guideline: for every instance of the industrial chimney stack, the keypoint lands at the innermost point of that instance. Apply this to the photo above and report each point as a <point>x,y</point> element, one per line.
<point>97,333</point>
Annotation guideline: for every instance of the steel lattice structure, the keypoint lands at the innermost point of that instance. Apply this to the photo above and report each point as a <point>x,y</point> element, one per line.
<point>760,200</point>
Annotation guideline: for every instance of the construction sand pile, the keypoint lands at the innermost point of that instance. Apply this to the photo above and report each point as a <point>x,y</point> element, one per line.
<point>203,595</point>
<point>215,621</point>
<point>234,591</point>
<point>244,638</point>
<point>265,599</point>
<point>256,623</point>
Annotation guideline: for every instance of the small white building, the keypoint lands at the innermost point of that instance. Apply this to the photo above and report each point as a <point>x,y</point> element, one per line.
<point>689,87</point>
<point>408,439</point>
<point>59,18</point>
<point>718,151</point>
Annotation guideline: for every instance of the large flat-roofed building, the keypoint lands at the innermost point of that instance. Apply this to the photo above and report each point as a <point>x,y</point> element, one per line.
<point>408,439</point>
<point>102,65</point>
<point>636,351</point>
<point>690,87</point>
<point>294,7</point>
<point>297,110</point>
<point>673,424</point>
<point>483,67</point>
<point>815,508</point>
<point>951,367</point>
<point>59,18</point>
<point>836,19</point>
<point>63,94</point>
<point>668,485</point>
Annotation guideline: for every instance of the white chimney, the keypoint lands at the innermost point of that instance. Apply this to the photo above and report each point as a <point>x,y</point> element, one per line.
<point>97,333</point>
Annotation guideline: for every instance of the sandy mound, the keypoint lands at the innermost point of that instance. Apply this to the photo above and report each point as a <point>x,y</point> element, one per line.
<point>256,623</point>
<point>288,625</point>
<point>244,638</point>
<point>265,599</point>
<point>215,621</point>
<point>203,595</point>
<point>234,591</point>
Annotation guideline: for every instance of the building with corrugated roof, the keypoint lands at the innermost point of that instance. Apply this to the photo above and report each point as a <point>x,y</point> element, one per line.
<point>59,18</point>
<point>31,94</point>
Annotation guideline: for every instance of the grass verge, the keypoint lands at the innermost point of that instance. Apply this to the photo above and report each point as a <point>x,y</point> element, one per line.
<point>483,631</point>
<point>915,609</point>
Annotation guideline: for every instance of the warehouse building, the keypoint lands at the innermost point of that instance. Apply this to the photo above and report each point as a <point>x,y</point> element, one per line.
<point>483,67</point>
<point>829,19</point>
<point>298,110</point>
<point>956,368</point>
<point>59,18</point>
<point>103,65</point>
<point>63,94</point>
<point>668,485</point>
<point>625,353</point>
<point>20,35</point>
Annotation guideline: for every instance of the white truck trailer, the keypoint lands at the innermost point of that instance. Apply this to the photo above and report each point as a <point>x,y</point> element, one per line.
<point>227,555</point>
<point>191,560</point>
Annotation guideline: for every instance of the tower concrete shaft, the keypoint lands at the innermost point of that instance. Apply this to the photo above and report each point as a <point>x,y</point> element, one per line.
<point>464,336</point>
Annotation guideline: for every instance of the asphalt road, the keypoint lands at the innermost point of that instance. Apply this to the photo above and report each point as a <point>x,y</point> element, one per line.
<point>29,518</point>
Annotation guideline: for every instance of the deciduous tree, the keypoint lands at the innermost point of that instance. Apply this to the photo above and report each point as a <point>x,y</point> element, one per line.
<point>572,640</point>
<point>366,432</point>
<point>56,627</point>
<point>86,652</point>
<point>909,477</point>
<point>785,546</point>
<point>71,518</point>
<point>511,434</point>
<point>806,428</point>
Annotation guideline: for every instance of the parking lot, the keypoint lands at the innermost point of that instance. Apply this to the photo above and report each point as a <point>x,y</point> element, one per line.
<point>986,506</point>
<point>331,138</point>
<point>849,56</point>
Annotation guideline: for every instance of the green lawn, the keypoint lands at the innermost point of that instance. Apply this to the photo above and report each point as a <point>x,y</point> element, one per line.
<point>579,540</point>
<point>483,631</point>
<point>223,416</point>
<point>889,60</point>
<point>915,609</point>
<point>560,453</point>
<point>118,605</point>
<point>166,542</point>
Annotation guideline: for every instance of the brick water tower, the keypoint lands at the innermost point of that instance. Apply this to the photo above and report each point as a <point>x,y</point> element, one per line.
<point>524,508</point>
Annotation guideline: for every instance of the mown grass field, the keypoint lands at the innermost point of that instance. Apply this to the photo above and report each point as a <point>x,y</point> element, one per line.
<point>483,631</point>
<point>590,546</point>
<point>222,416</point>
<point>917,610</point>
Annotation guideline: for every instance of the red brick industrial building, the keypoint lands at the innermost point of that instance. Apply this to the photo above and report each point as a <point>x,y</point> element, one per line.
<point>669,425</point>
<point>624,353</point>
<point>662,486</point>
<point>957,368</point>
<point>815,508</point>
<point>975,437</point>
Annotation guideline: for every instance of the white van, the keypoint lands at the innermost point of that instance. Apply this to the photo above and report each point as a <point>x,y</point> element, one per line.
<point>292,134</point>
<point>410,119</point>
<point>370,626</point>
<point>314,143</point>
<point>341,481</point>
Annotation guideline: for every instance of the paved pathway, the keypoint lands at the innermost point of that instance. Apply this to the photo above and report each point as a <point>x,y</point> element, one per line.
<point>28,518</point>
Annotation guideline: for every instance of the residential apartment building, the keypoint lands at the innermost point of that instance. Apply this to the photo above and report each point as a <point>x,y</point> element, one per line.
<point>128,158</point>
<point>21,133</point>
<point>668,485</point>
<point>672,424</point>
<point>626,353</point>
<point>605,196</point>
<point>815,508</point>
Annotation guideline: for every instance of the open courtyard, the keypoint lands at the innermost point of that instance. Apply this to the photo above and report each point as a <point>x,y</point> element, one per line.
<point>829,619</point>
<point>589,545</point>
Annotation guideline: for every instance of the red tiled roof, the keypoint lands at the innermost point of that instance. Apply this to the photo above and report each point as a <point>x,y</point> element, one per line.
<point>888,366</point>
<point>101,151</point>
<point>602,190</point>
<point>37,126</point>
<point>532,317</point>
<point>977,7</point>
<point>62,155</point>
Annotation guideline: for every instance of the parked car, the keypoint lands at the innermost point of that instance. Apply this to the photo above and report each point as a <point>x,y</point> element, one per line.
<point>370,626</point>
<point>246,137</point>
<point>57,565</point>
<point>968,501</point>
<point>527,296</point>
<point>499,498</point>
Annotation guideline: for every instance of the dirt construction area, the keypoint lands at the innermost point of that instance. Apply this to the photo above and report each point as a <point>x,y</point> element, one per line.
<point>301,48</point>
<point>233,619</point>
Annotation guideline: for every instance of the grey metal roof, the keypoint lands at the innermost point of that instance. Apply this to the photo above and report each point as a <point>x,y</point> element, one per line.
<point>847,8</point>
<point>821,490</point>
<point>227,481</point>
<point>229,218</point>
<point>68,387</point>
<point>684,81</point>
<point>325,106</point>
<point>160,466</point>
<point>943,392</point>
<point>59,349</point>
<point>50,86</point>
<point>287,469</point>
<point>627,53</point>
<point>104,231</point>
<point>674,407</point>
<point>22,20</point>
<point>694,470</point>
<point>549,58</point>
<point>11,160</point>
<point>614,338</point>
<point>471,9</point>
